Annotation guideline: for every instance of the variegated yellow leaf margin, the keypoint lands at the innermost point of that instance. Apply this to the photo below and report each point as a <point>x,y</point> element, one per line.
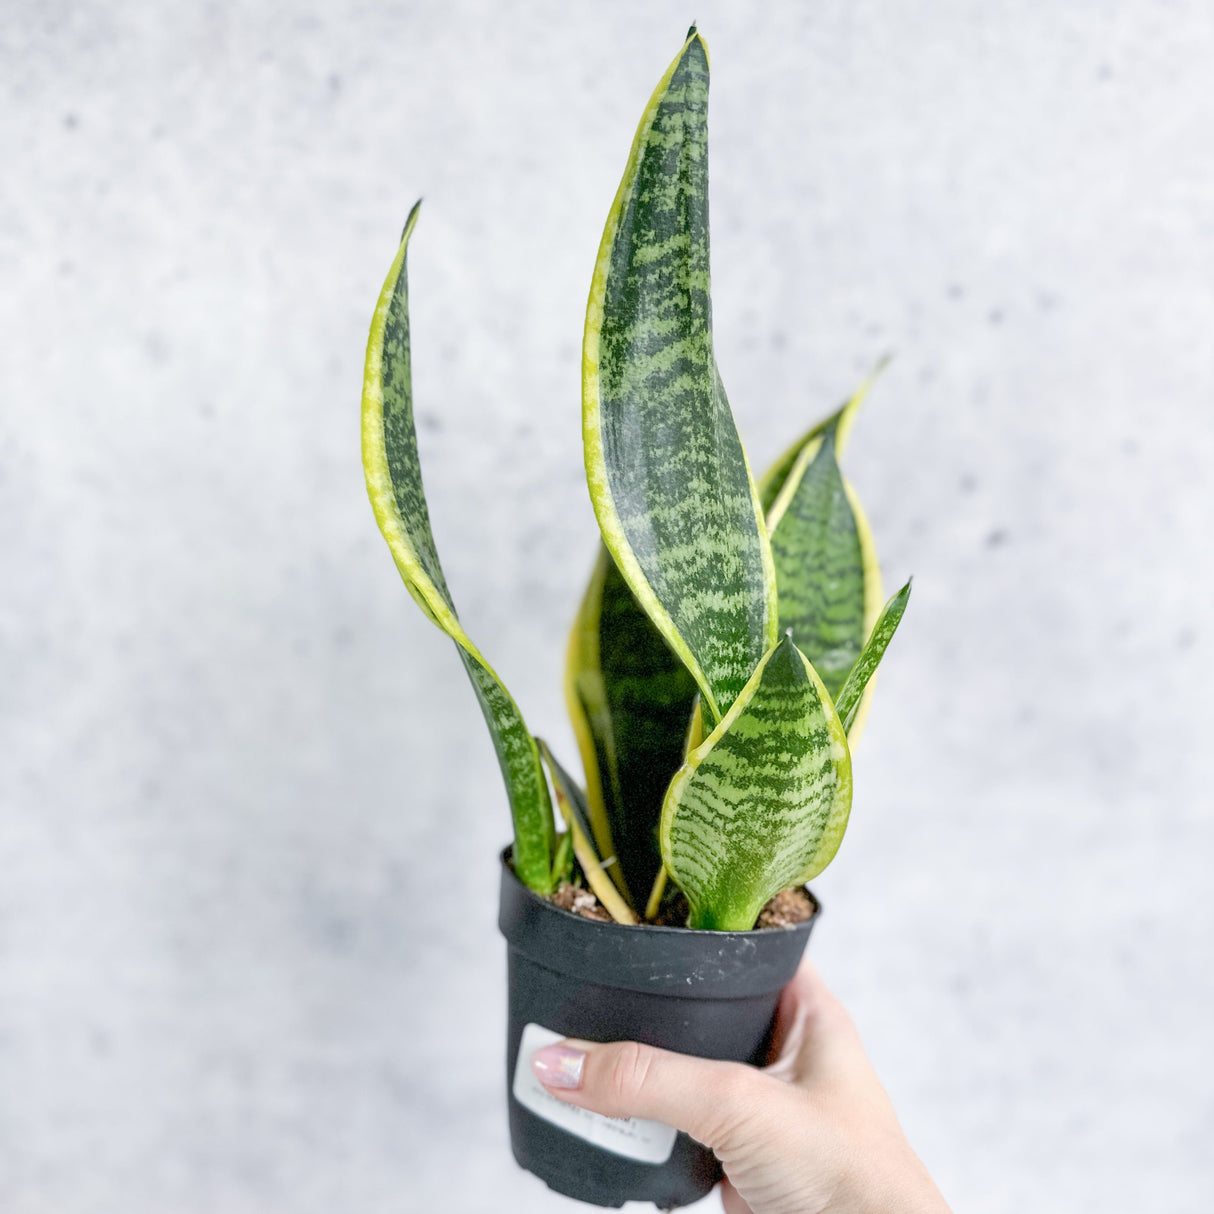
<point>851,696</point>
<point>820,567</point>
<point>762,803</point>
<point>801,583</point>
<point>670,483</point>
<point>394,484</point>
<point>844,418</point>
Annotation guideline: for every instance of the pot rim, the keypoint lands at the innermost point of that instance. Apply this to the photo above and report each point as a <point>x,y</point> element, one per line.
<point>651,928</point>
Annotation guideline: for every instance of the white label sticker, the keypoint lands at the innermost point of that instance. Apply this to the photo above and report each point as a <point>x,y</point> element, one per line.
<point>644,1141</point>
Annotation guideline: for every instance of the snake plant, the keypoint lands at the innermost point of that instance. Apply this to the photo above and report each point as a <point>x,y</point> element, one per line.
<point>720,660</point>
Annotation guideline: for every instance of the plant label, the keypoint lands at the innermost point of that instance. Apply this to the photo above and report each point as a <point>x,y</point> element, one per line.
<point>644,1141</point>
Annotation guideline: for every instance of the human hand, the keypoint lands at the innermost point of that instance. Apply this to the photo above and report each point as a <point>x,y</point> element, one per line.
<point>813,1133</point>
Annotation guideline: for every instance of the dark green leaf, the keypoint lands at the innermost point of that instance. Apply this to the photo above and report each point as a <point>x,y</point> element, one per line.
<point>820,566</point>
<point>667,474</point>
<point>763,803</point>
<point>631,700</point>
<point>848,702</point>
<point>394,484</point>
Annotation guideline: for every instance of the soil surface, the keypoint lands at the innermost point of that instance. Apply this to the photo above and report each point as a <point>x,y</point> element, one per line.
<point>786,909</point>
<point>580,902</point>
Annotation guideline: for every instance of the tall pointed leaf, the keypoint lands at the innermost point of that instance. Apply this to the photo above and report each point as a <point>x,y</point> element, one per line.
<point>829,592</point>
<point>668,477</point>
<point>848,702</point>
<point>763,803</point>
<point>394,484</point>
<point>630,699</point>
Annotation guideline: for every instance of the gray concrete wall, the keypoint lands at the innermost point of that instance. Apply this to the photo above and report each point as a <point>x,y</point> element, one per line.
<point>248,811</point>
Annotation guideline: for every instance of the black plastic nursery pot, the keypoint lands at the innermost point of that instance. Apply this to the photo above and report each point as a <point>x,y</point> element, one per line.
<point>712,994</point>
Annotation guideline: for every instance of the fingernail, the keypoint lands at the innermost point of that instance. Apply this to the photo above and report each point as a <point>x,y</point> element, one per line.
<point>558,1067</point>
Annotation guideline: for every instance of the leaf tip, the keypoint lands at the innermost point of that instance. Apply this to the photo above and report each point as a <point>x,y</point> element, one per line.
<point>410,221</point>
<point>786,657</point>
<point>693,38</point>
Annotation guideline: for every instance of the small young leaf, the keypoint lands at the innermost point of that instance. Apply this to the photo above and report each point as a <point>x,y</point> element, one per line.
<point>848,702</point>
<point>630,699</point>
<point>826,586</point>
<point>394,484</point>
<point>763,803</point>
<point>826,564</point>
<point>668,477</point>
<point>562,861</point>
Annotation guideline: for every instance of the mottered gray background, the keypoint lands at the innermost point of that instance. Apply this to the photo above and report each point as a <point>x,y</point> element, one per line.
<point>249,814</point>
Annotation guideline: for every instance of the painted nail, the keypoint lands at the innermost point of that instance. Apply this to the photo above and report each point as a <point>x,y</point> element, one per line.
<point>558,1067</point>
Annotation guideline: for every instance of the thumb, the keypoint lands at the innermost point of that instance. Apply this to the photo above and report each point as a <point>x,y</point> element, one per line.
<point>711,1101</point>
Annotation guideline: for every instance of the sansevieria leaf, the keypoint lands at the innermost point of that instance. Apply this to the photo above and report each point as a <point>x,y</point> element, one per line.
<point>630,699</point>
<point>830,586</point>
<point>762,804</point>
<point>826,564</point>
<point>847,704</point>
<point>394,483</point>
<point>668,477</point>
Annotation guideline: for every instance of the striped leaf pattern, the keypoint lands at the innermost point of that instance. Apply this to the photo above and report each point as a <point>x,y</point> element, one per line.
<point>826,586</point>
<point>630,699</point>
<point>394,484</point>
<point>668,477</point>
<point>763,803</point>
<point>849,699</point>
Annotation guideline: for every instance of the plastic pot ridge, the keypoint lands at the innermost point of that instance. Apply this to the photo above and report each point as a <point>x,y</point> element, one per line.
<point>712,994</point>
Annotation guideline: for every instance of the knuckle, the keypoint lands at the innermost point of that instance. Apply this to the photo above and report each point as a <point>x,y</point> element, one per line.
<point>628,1072</point>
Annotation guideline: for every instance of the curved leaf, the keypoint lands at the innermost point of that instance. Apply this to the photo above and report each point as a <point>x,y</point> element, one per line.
<point>394,484</point>
<point>630,699</point>
<point>763,803</point>
<point>830,632</point>
<point>829,593</point>
<point>873,593</point>
<point>848,702</point>
<point>668,477</point>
